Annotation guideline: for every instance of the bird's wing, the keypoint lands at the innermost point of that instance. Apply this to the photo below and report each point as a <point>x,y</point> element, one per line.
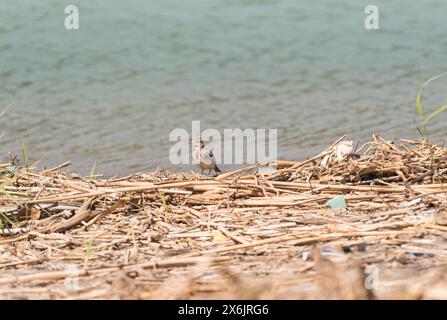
<point>211,155</point>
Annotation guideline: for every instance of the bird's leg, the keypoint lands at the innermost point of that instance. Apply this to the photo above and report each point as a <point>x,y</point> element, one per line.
<point>202,172</point>
<point>209,172</point>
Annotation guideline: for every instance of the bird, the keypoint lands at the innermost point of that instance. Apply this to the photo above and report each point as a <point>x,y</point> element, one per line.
<point>203,157</point>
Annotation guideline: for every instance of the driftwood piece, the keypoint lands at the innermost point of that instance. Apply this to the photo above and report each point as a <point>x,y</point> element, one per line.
<point>83,214</point>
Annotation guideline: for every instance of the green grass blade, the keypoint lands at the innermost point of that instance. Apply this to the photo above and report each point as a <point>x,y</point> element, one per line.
<point>25,156</point>
<point>435,113</point>
<point>92,172</point>
<point>419,104</point>
<point>419,95</point>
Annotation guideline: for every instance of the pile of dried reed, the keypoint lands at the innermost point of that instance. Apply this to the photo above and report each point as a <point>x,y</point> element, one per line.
<point>243,234</point>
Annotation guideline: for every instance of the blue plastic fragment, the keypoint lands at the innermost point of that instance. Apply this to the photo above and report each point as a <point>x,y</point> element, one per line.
<point>337,203</point>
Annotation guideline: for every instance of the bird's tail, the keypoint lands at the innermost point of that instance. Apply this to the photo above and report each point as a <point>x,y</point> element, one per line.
<point>216,169</point>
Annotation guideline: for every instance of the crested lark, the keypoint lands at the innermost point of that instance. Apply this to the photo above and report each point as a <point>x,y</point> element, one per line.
<point>203,157</point>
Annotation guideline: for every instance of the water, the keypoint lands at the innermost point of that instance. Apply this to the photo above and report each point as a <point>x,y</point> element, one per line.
<point>112,91</point>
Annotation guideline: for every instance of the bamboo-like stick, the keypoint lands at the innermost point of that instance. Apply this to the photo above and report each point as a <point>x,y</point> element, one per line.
<point>58,275</point>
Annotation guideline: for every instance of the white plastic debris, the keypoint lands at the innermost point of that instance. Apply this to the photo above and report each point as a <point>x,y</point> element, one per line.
<point>337,153</point>
<point>343,149</point>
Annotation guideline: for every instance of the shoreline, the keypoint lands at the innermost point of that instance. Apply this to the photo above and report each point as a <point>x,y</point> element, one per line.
<point>353,222</point>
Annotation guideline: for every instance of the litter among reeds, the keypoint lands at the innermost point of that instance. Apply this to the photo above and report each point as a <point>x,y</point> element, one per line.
<point>246,234</point>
